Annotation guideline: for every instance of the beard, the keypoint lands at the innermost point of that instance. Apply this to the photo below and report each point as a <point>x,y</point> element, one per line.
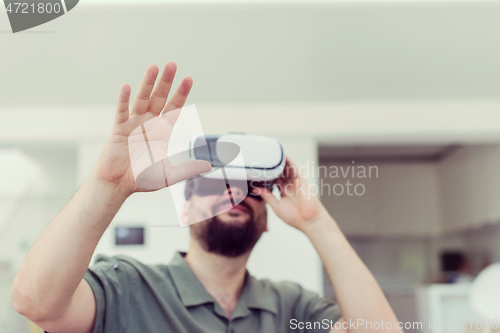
<point>229,239</point>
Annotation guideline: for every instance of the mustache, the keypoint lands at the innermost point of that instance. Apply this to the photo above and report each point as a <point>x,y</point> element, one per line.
<point>228,201</point>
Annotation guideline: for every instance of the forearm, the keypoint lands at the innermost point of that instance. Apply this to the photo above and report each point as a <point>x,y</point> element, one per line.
<point>358,293</point>
<point>59,258</point>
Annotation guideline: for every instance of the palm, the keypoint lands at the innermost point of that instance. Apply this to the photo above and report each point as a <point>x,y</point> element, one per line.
<point>295,207</point>
<point>114,164</point>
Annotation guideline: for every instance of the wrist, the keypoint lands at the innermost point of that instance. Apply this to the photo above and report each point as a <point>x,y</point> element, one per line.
<point>114,191</point>
<point>322,224</point>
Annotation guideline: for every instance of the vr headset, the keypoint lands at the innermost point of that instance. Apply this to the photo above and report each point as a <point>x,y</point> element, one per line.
<point>238,160</point>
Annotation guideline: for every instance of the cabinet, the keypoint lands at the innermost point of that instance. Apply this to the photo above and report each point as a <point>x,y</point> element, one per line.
<point>459,192</point>
<point>400,199</point>
<point>470,188</point>
<point>358,215</point>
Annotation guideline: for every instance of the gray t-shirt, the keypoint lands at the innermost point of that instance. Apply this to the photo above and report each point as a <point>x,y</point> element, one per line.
<point>133,297</point>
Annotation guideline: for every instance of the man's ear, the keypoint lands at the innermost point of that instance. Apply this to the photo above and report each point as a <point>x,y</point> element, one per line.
<point>184,214</point>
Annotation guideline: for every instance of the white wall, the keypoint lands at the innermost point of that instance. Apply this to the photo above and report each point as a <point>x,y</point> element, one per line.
<point>29,216</point>
<point>339,123</point>
<point>33,212</point>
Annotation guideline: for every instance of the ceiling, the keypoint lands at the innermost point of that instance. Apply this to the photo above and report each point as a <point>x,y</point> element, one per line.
<point>142,2</point>
<point>263,53</point>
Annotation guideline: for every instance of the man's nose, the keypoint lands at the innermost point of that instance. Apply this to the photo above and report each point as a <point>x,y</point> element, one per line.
<point>237,193</point>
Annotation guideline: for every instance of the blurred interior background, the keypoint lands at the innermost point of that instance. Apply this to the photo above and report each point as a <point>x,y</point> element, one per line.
<point>411,88</point>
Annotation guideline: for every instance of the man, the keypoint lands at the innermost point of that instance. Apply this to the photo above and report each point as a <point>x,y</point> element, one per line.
<point>207,290</point>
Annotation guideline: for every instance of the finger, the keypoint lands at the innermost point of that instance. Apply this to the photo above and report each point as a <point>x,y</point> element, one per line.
<point>282,187</point>
<point>187,170</point>
<point>268,197</point>
<point>121,114</point>
<point>287,178</point>
<point>177,101</point>
<point>290,168</point>
<point>141,100</point>
<point>162,89</point>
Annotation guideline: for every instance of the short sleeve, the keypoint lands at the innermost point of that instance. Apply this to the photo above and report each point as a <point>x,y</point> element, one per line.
<point>313,308</point>
<point>308,307</point>
<point>109,282</point>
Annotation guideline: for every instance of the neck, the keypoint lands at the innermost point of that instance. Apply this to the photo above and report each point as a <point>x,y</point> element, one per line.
<point>222,277</point>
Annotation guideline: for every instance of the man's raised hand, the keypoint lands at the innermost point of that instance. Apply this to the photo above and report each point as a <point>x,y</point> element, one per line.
<point>114,164</point>
<point>298,206</point>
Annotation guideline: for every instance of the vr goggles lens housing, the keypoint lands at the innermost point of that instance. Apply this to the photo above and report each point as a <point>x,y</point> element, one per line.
<point>238,161</point>
<point>202,186</point>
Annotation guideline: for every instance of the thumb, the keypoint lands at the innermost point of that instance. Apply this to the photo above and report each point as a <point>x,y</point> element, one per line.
<point>186,170</point>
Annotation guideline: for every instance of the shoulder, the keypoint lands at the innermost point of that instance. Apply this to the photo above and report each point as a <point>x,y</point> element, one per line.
<point>123,264</point>
<point>102,259</point>
<point>294,302</point>
<point>286,291</point>
<point>294,297</point>
<point>281,287</point>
